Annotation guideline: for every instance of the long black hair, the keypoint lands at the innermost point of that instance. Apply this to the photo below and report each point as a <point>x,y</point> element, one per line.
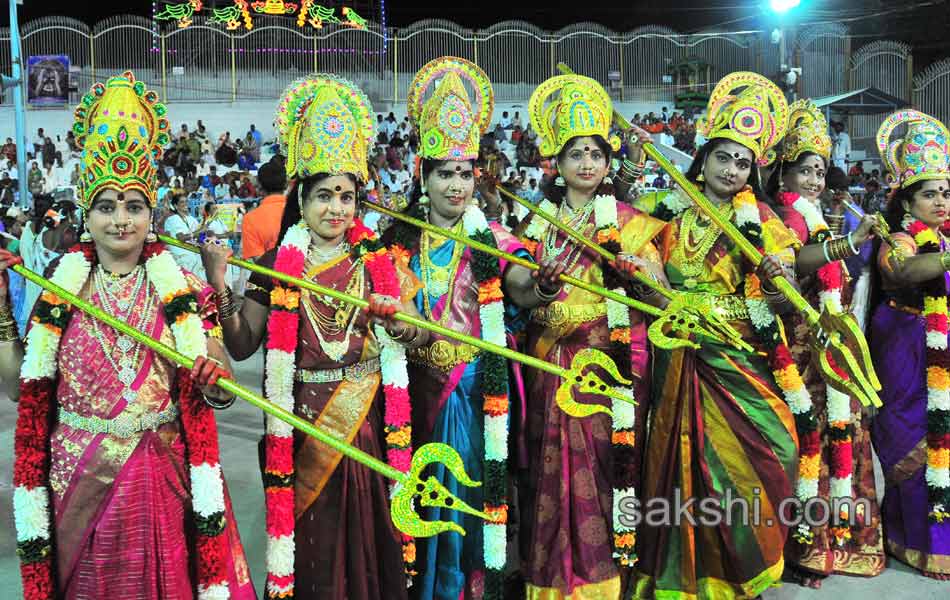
<point>555,193</point>
<point>894,213</point>
<point>301,189</point>
<point>696,167</point>
<point>775,179</point>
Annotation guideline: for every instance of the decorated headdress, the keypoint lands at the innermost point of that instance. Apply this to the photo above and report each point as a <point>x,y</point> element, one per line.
<point>569,106</point>
<point>121,128</point>
<point>748,109</point>
<point>922,153</point>
<point>807,132</point>
<point>450,125</point>
<point>325,125</point>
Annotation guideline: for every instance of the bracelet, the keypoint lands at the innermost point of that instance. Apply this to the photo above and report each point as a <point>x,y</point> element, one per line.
<point>945,261</point>
<point>218,404</point>
<point>544,297</point>
<point>824,249</point>
<point>854,250</point>
<point>225,303</point>
<point>9,331</point>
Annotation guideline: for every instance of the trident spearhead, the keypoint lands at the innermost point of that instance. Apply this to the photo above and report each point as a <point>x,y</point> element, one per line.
<point>833,337</point>
<point>693,314</point>
<point>430,492</point>
<point>590,383</point>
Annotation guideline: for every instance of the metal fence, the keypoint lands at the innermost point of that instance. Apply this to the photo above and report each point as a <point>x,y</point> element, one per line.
<point>205,62</point>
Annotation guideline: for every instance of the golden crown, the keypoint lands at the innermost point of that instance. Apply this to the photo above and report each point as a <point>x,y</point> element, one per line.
<point>325,125</point>
<point>121,128</point>
<point>449,124</point>
<point>748,109</point>
<point>807,132</point>
<point>921,154</point>
<point>569,106</point>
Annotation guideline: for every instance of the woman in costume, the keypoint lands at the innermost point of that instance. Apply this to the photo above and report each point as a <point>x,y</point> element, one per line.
<point>911,432</point>
<point>460,396</point>
<point>835,439</point>
<point>720,423</point>
<point>578,468</point>
<point>329,533</point>
<point>118,487</point>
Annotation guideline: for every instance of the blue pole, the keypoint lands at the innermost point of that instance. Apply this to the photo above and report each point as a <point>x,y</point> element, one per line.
<point>19,104</point>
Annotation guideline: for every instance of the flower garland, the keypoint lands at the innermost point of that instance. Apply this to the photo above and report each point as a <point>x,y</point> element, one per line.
<point>37,396</point>
<point>487,275</point>
<point>830,284</point>
<point>938,380</point>
<point>623,424</point>
<point>282,337</point>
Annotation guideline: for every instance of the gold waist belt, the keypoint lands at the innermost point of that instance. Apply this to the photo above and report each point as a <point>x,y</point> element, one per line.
<point>728,307</point>
<point>443,355</point>
<point>123,426</point>
<point>559,314</point>
<point>353,372</point>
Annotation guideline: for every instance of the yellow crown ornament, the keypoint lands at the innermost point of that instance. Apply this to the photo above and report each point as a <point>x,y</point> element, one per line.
<point>748,109</point>
<point>325,125</point>
<point>121,128</point>
<point>922,153</point>
<point>568,106</point>
<point>450,125</point>
<point>807,132</point>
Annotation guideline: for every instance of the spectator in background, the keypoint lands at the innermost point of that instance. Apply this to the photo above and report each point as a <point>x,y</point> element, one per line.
<point>247,188</point>
<point>390,126</point>
<point>660,182</point>
<point>841,148</point>
<point>256,135</point>
<point>505,121</point>
<point>211,180</point>
<point>39,141</point>
<point>516,120</point>
<point>262,225</point>
<point>856,172</point>
<point>184,227</point>
<point>9,150</point>
<point>34,179</point>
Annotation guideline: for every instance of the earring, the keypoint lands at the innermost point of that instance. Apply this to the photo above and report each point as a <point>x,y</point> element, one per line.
<point>700,178</point>
<point>608,180</point>
<point>151,238</point>
<point>86,237</point>
<point>559,181</point>
<point>423,199</point>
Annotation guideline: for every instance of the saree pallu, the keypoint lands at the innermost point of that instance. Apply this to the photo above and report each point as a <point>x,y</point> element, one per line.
<point>899,433</point>
<point>122,505</point>
<point>447,407</point>
<point>720,434</point>
<point>863,553</point>
<point>567,492</point>
<point>346,547</point>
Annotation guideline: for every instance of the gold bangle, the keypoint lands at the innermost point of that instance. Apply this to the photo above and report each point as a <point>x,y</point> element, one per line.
<point>225,303</point>
<point>546,298</point>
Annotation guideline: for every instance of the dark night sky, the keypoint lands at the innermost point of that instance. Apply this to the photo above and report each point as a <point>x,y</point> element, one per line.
<point>924,24</point>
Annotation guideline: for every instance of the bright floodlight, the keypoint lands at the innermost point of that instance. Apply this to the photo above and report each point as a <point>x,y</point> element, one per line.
<point>784,5</point>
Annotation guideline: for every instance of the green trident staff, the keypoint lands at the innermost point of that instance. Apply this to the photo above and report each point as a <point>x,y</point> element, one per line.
<point>830,332</point>
<point>577,376</point>
<point>410,486</point>
<point>665,322</point>
<point>686,313</point>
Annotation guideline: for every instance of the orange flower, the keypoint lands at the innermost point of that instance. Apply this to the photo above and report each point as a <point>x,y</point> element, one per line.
<point>399,438</point>
<point>938,458</point>
<point>409,552</point>
<point>530,245</point>
<point>789,378</point>
<point>286,298</point>
<point>808,467</point>
<point>169,297</point>
<point>624,438</point>
<point>496,405</point>
<point>938,378</point>
<point>624,540</point>
<point>608,235</point>
<point>497,514</point>
<point>621,335</point>
<point>400,255</point>
<point>490,291</point>
<point>51,298</point>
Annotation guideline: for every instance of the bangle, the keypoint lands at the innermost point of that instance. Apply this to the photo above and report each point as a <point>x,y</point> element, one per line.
<point>218,404</point>
<point>824,249</point>
<point>945,261</point>
<point>9,332</point>
<point>854,250</point>
<point>225,303</point>
<point>546,298</point>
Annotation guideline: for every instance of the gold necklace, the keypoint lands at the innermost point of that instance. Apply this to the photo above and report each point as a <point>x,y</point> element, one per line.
<point>438,281</point>
<point>691,256</point>
<point>344,317</point>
